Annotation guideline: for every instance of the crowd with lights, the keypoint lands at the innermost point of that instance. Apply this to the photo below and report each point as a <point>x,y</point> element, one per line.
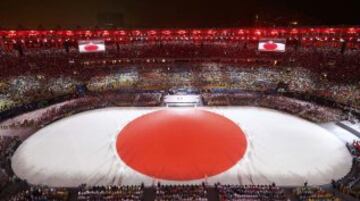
<point>22,89</point>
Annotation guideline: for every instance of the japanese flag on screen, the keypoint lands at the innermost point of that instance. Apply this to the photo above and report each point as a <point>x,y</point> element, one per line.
<point>91,46</point>
<point>272,45</point>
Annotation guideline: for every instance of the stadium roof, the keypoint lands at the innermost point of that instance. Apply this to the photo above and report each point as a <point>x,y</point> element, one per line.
<point>175,13</point>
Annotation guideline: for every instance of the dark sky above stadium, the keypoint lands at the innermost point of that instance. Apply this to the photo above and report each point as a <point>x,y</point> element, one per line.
<point>176,13</point>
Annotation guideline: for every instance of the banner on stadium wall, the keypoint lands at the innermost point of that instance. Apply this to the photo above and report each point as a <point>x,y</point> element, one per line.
<point>88,46</point>
<point>272,45</point>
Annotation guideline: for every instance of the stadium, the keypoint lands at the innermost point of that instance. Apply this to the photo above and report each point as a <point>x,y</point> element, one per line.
<point>248,113</point>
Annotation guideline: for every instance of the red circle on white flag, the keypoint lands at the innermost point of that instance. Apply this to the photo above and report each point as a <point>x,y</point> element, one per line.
<point>91,47</point>
<point>183,144</point>
<point>270,46</point>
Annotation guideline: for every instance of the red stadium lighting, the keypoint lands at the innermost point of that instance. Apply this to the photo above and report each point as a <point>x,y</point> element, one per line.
<point>122,32</point>
<point>33,33</point>
<point>211,32</point>
<point>241,32</point>
<point>225,32</point>
<point>181,32</point>
<point>351,30</point>
<point>294,31</point>
<point>106,33</point>
<point>257,32</point>
<point>69,33</point>
<point>196,32</point>
<point>152,32</point>
<point>166,32</point>
<point>136,32</point>
<point>87,33</point>
<point>331,30</point>
<point>12,33</point>
<point>274,32</point>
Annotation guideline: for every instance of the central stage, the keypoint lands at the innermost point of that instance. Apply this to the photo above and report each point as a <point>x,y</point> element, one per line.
<point>230,145</point>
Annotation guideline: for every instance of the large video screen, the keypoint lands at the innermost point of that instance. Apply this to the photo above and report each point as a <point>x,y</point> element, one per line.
<point>88,46</point>
<point>272,45</point>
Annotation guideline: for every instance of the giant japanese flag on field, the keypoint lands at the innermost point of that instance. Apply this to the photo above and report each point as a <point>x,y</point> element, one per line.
<point>180,145</point>
<point>86,46</point>
<point>269,45</point>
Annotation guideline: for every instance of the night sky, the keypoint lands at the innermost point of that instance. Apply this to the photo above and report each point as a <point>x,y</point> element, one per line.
<point>176,13</point>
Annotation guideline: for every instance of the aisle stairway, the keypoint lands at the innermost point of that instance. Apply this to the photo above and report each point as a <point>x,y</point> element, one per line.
<point>341,195</point>
<point>73,193</point>
<point>149,194</point>
<point>212,194</point>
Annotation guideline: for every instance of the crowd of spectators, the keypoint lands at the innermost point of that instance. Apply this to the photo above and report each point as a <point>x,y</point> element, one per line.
<point>40,193</point>
<point>38,73</point>
<point>181,193</point>
<point>318,56</point>
<point>307,193</point>
<point>250,193</point>
<point>111,193</point>
<point>350,184</point>
<point>8,145</point>
<point>315,112</point>
<point>354,148</point>
<point>45,71</point>
<point>203,76</point>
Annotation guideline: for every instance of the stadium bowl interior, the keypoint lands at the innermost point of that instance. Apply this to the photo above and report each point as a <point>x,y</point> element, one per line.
<point>229,114</point>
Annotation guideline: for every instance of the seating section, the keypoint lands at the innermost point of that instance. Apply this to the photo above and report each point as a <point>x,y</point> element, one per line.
<point>42,194</point>
<point>306,193</point>
<point>8,145</point>
<point>350,184</point>
<point>111,193</point>
<point>250,193</point>
<point>181,193</point>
